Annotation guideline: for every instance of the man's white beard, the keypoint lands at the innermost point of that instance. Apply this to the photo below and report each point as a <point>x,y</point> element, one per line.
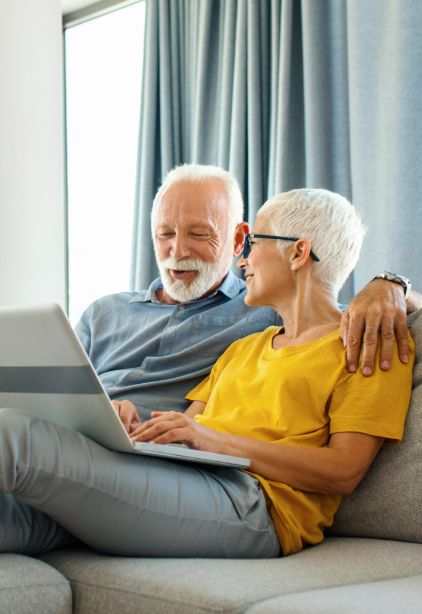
<point>208,274</point>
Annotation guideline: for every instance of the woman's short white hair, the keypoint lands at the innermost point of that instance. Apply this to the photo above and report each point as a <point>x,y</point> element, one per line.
<point>194,173</point>
<point>328,220</point>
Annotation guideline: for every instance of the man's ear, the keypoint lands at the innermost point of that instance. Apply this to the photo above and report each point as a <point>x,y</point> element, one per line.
<point>300,253</point>
<point>240,232</point>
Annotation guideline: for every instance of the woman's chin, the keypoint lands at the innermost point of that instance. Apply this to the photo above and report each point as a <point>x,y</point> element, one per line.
<point>251,301</point>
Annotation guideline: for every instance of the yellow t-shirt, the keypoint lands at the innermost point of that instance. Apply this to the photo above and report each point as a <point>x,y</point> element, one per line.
<point>299,395</point>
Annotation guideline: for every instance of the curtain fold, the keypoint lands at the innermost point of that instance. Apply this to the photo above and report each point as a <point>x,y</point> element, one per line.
<point>285,94</point>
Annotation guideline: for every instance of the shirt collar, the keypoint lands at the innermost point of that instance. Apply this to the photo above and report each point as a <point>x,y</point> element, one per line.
<point>230,287</point>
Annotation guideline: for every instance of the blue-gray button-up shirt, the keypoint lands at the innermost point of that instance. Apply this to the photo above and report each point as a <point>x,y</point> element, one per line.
<point>153,353</point>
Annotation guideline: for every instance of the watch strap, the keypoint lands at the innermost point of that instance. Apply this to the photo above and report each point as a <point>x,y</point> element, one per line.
<point>397,279</point>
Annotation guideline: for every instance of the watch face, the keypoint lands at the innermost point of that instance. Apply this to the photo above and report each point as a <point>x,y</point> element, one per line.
<point>398,278</point>
<point>402,280</point>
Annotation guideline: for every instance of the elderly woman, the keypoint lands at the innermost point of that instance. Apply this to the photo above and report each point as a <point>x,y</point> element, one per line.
<point>283,397</point>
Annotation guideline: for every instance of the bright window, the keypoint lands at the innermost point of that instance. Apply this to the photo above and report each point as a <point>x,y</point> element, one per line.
<point>103,81</point>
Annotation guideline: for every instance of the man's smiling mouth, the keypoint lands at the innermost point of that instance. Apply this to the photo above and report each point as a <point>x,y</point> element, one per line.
<point>182,273</point>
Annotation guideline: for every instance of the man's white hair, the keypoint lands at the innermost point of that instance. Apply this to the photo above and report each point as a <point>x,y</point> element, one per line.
<point>194,173</point>
<point>328,220</point>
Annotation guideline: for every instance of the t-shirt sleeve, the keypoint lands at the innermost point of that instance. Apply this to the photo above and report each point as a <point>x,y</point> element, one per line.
<point>375,405</point>
<point>202,391</point>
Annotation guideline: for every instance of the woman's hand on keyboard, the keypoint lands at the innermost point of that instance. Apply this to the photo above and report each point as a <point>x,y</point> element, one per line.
<point>176,427</point>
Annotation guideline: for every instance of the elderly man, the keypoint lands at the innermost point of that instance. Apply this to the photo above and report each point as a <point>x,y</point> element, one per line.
<point>152,347</point>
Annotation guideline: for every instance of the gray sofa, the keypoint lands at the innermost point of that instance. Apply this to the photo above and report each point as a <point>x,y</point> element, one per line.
<point>371,560</point>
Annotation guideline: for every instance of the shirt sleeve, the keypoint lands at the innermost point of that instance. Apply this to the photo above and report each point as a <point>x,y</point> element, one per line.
<point>83,330</point>
<point>375,405</point>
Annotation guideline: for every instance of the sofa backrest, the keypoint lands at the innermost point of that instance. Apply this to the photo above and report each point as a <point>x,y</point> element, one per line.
<point>388,502</point>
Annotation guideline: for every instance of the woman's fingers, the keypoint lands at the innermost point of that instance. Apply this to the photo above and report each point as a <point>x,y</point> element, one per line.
<point>159,425</point>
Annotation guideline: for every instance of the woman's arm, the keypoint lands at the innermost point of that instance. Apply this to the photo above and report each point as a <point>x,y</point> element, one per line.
<point>336,468</point>
<point>196,407</point>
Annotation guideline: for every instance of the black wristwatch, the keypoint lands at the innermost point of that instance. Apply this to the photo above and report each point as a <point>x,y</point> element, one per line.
<point>397,279</point>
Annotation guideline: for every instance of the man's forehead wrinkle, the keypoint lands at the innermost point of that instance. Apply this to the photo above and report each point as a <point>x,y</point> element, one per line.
<point>213,203</point>
<point>208,190</point>
<point>190,210</point>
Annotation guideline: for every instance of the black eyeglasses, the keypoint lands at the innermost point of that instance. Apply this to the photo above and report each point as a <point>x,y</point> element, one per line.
<point>247,246</point>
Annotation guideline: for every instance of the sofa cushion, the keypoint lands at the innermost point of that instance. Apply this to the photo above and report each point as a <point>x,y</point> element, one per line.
<point>403,595</point>
<point>28,586</point>
<point>388,502</point>
<point>106,584</point>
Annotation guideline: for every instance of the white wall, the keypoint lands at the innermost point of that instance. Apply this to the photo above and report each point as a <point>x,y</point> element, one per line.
<point>32,210</point>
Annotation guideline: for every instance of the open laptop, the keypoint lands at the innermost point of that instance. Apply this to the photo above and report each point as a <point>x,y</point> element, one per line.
<point>45,371</point>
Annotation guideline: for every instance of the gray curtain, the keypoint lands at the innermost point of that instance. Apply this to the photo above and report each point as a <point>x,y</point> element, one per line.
<point>284,94</point>
<point>385,101</point>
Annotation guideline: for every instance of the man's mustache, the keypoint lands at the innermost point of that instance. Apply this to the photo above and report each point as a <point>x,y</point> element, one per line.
<point>187,264</point>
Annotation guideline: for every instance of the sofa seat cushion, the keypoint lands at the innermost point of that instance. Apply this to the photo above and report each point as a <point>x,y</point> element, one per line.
<point>28,586</point>
<point>190,586</point>
<point>402,595</point>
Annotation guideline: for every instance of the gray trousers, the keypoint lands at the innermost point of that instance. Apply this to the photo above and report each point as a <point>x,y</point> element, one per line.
<point>57,487</point>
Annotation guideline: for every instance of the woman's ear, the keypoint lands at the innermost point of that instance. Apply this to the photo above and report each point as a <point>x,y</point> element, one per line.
<point>300,254</point>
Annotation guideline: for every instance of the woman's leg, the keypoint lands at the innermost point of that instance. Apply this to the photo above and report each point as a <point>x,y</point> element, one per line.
<point>129,504</point>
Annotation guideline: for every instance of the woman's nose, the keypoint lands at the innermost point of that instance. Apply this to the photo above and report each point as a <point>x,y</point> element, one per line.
<point>241,263</point>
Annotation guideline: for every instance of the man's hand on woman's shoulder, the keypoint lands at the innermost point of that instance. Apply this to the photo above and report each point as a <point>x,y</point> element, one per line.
<point>377,315</point>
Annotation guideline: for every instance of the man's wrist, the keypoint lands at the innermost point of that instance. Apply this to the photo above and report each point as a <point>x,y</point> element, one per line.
<point>397,279</point>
